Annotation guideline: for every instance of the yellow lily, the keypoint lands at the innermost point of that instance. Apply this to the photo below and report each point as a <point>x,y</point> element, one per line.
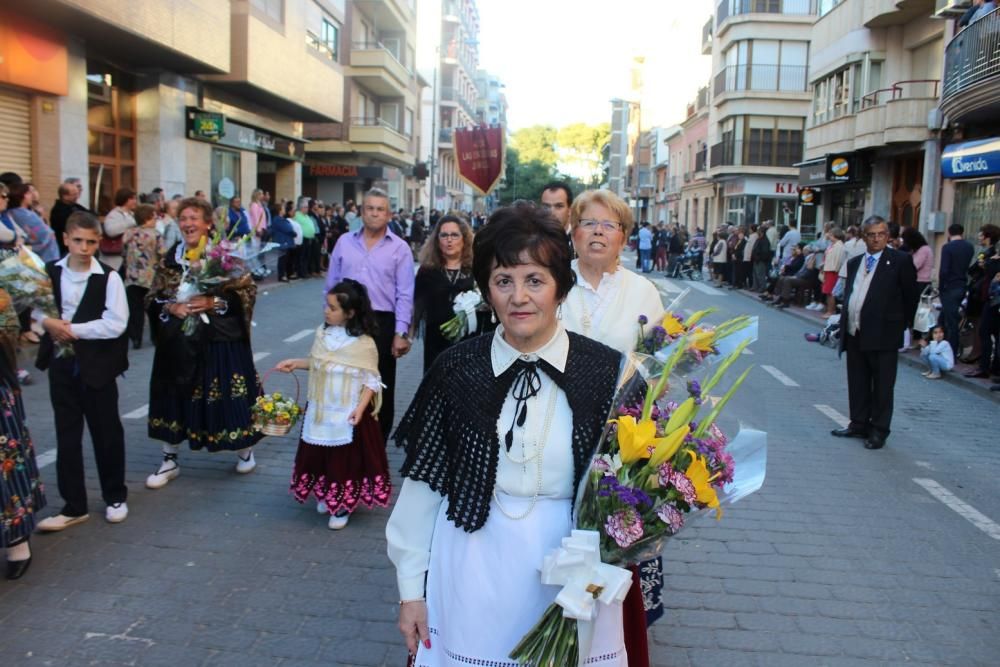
<point>701,341</point>
<point>672,325</point>
<point>697,472</point>
<point>634,438</point>
<point>668,446</point>
<point>681,416</point>
<point>697,317</point>
<point>194,254</point>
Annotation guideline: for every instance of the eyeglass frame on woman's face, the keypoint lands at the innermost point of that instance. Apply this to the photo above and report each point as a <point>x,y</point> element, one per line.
<point>450,235</point>
<point>606,226</point>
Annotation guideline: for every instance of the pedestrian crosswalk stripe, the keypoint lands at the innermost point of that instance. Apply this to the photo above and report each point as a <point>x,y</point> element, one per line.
<point>138,413</point>
<point>779,376</point>
<point>261,355</point>
<point>299,336</point>
<point>46,458</point>
<point>706,289</point>
<point>963,509</point>
<point>839,419</point>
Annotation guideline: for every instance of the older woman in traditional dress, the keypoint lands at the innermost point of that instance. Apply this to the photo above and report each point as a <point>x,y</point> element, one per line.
<point>606,305</point>
<point>203,382</point>
<point>497,438</point>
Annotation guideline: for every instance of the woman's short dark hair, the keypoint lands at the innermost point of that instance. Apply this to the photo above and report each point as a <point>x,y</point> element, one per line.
<point>991,232</point>
<point>18,192</point>
<point>353,296</point>
<point>513,231</point>
<point>913,239</point>
<point>123,195</point>
<point>207,212</point>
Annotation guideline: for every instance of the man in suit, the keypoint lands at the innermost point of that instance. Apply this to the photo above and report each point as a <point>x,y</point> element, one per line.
<point>880,300</point>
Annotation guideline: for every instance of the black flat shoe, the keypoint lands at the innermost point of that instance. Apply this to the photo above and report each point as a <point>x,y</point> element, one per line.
<point>849,432</point>
<point>17,568</point>
<point>875,441</point>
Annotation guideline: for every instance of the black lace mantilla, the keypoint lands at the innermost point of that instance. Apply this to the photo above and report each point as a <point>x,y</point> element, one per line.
<point>450,435</point>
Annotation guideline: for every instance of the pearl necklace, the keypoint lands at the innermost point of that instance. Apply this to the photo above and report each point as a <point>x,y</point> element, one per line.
<point>537,457</point>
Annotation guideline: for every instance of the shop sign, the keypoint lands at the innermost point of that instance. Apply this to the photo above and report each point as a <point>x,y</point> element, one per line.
<point>808,196</point>
<point>971,159</point>
<point>226,188</point>
<point>208,125</point>
<point>760,186</point>
<point>813,174</point>
<point>344,171</point>
<point>840,168</point>
<point>235,135</point>
<point>32,55</point>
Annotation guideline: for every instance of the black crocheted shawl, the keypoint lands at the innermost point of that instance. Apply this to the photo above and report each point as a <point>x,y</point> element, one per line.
<point>450,435</point>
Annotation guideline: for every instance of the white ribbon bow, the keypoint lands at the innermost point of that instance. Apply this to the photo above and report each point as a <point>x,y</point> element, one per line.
<point>585,580</point>
<point>467,302</point>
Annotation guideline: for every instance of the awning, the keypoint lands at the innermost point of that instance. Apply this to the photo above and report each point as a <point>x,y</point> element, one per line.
<point>971,159</point>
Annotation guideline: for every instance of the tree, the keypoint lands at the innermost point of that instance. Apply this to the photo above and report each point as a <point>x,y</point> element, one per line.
<point>524,179</point>
<point>579,148</point>
<point>536,144</point>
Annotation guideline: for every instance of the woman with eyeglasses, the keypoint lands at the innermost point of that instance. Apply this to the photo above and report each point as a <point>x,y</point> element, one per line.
<point>605,305</point>
<point>445,272</point>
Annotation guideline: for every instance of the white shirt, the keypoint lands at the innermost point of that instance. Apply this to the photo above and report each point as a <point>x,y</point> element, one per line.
<point>410,529</point>
<point>334,429</point>
<point>117,221</point>
<point>72,285</point>
<point>610,313</point>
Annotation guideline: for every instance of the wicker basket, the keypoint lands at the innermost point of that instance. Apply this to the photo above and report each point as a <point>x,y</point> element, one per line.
<point>277,429</point>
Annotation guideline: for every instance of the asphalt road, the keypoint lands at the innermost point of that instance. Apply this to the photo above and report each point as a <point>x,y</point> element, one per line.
<point>845,557</point>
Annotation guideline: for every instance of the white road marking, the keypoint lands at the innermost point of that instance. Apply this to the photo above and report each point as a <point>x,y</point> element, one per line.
<point>669,287</point>
<point>963,509</point>
<point>299,336</point>
<point>138,413</point>
<point>261,355</point>
<point>924,464</point>
<point>839,419</point>
<point>46,458</point>
<point>705,289</point>
<point>779,376</point>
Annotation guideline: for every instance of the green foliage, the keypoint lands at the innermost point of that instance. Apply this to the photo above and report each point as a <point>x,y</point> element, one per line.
<point>537,154</point>
<point>536,144</point>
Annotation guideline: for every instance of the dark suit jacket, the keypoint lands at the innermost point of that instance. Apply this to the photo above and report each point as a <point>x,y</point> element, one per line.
<point>890,304</point>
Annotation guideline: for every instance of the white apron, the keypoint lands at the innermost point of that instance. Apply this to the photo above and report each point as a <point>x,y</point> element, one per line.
<point>484,588</point>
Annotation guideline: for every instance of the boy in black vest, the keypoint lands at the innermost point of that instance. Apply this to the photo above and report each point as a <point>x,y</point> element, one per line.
<point>85,351</point>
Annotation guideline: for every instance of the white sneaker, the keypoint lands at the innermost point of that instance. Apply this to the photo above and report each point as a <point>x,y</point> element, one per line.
<point>245,465</point>
<point>116,513</point>
<point>167,471</point>
<point>322,508</point>
<point>54,524</point>
<point>338,522</point>
<point>814,306</point>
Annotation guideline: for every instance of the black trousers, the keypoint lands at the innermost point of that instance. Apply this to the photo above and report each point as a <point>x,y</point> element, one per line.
<point>386,368</point>
<point>315,249</point>
<point>283,264</point>
<point>951,302</point>
<point>989,340</point>
<point>871,380</point>
<point>73,403</point>
<point>136,296</point>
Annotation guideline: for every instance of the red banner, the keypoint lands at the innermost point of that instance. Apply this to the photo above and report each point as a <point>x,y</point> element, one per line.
<point>479,154</point>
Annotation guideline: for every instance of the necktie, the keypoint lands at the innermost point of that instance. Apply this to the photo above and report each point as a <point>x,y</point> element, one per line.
<point>869,263</point>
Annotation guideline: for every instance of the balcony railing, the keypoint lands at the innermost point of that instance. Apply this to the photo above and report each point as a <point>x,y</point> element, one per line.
<point>728,8</point>
<point>706,38</point>
<point>700,159</point>
<point>784,78</point>
<point>445,135</point>
<point>973,55</point>
<point>915,88</point>
<point>452,94</point>
<point>756,154</point>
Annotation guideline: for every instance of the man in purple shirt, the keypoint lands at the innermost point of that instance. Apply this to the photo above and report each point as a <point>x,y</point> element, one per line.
<point>383,263</point>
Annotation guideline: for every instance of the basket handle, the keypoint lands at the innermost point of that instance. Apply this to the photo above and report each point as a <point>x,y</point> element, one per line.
<point>294,377</point>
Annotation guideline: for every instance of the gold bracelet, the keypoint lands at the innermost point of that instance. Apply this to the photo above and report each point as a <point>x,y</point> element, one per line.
<point>402,602</point>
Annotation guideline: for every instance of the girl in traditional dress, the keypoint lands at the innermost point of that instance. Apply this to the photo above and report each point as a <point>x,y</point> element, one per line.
<point>341,457</point>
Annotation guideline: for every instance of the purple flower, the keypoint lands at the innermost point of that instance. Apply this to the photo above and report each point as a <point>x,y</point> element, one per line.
<point>609,485</point>
<point>643,320</point>
<point>669,515</point>
<point>625,527</point>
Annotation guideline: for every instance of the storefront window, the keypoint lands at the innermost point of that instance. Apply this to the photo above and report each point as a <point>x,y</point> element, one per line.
<point>976,204</point>
<point>111,135</point>
<point>225,176</point>
<point>735,210</point>
<point>847,206</point>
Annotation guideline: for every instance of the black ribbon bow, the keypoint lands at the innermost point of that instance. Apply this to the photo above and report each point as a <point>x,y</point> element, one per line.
<point>526,384</point>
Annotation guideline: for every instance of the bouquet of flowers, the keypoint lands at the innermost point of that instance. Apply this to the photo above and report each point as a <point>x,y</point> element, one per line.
<point>24,277</point>
<point>213,262</point>
<point>275,413</point>
<point>464,322</point>
<point>655,467</point>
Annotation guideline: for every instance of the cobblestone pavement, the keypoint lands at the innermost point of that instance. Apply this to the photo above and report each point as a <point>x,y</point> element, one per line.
<point>845,557</point>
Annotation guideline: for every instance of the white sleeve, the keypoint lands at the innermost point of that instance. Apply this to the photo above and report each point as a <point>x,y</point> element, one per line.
<point>372,381</point>
<point>409,532</point>
<point>116,222</point>
<point>114,320</point>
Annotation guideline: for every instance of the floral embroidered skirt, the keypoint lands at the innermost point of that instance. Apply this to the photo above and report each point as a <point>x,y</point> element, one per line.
<point>344,476</point>
<point>22,493</point>
<point>214,413</point>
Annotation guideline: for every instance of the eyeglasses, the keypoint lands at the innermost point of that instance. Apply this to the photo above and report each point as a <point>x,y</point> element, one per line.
<point>605,225</point>
<point>449,235</point>
<point>876,235</point>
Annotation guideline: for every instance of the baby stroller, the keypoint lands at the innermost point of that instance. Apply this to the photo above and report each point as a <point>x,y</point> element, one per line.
<point>687,266</point>
<point>830,335</point>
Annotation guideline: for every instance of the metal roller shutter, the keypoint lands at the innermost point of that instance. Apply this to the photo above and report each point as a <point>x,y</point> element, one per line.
<point>15,133</point>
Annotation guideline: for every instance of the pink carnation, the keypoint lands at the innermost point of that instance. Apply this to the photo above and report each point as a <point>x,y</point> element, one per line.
<point>625,527</point>
<point>675,478</point>
<point>672,517</point>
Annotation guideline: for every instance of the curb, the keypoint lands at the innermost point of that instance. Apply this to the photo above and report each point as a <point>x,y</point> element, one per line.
<point>952,378</point>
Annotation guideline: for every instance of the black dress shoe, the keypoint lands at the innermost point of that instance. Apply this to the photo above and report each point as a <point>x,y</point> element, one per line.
<point>875,441</point>
<point>849,432</point>
<point>17,568</point>
<point>977,374</point>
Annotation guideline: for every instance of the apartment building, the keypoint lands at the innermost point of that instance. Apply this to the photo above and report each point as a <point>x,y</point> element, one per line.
<point>970,106</point>
<point>181,94</point>
<point>491,102</point>
<point>697,192</point>
<point>376,142</point>
<point>621,146</point>
<point>666,187</point>
<point>875,72</point>
<point>759,105</point>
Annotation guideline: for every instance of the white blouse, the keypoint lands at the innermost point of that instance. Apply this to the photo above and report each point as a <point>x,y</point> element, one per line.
<point>610,313</point>
<point>334,429</point>
<point>410,529</point>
